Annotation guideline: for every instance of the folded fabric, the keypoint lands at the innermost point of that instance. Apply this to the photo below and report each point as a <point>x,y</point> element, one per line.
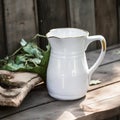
<point>15,86</point>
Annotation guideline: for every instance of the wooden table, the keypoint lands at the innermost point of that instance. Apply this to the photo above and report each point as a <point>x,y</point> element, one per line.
<point>101,102</point>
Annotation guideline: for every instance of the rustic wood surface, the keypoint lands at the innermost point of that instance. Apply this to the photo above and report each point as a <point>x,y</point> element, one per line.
<point>38,104</point>
<point>113,118</point>
<point>113,54</point>
<point>98,104</point>
<point>20,22</point>
<point>3,49</point>
<point>106,20</point>
<point>118,5</point>
<point>82,15</point>
<point>53,16</point>
<point>25,18</point>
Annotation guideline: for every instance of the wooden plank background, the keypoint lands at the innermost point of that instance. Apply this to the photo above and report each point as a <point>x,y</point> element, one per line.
<point>24,18</point>
<point>106,20</point>
<point>19,20</point>
<point>3,49</point>
<point>51,14</point>
<point>82,15</point>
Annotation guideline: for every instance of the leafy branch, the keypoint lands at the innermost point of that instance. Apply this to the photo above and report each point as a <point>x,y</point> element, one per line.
<point>29,57</point>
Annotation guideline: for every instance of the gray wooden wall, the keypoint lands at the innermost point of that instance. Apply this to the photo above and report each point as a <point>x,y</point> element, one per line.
<point>24,18</point>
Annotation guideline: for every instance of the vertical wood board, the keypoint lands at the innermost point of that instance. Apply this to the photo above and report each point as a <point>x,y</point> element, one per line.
<point>106,20</point>
<point>118,5</point>
<point>3,49</point>
<point>82,15</point>
<point>20,21</point>
<point>51,14</point>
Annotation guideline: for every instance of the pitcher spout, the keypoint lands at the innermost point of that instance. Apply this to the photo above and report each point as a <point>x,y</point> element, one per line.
<point>67,40</point>
<point>62,33</point>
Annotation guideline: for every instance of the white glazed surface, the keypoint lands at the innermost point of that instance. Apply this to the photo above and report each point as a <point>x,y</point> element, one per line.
<point>68,75</point>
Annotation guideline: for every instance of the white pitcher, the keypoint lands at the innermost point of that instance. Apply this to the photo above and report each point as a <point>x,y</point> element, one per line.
<point>68,75</point>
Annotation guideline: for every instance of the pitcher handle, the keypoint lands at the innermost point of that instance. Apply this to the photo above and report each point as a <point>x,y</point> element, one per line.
<point>103,51</point>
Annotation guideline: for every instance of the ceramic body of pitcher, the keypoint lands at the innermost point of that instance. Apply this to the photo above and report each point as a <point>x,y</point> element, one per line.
<point>68,74</point>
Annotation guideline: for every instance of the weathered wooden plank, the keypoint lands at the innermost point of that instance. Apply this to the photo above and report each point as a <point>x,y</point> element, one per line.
<point>105,101</point>
<point>118,5</point>
<point>20,21</point>
<point>106,20</point>
<point>3,49</point>
<point>98,104</point>
<point>112,118</point>
<point>82,15</point>
<point>54,14</point>
<point>111,56</point>
<point>113,47</point>
<point>36,97</point>
<point>118,117</point>
<point>106,74</point>
<point>103,73</point>
<point>51,14</point>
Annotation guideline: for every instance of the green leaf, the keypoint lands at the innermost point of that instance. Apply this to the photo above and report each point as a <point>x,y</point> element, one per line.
<point>28,48</point>
<point>36,53</point>
<point>44,62</point>
<point>23,42</point>
<point>36,60</point>
<point>29,57</point>
<point>13,66</point>
<point>32,48</point>
<point>20,59</point>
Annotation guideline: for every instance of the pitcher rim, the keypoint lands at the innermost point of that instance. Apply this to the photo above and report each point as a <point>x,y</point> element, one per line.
<point>77,36</point>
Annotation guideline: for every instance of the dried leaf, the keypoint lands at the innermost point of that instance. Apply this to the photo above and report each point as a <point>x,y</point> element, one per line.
<point>95,82</point>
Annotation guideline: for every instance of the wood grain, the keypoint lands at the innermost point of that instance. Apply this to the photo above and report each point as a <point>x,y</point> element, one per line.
<point>20,22</point>
<point>3,49</point>
<point>51,14</point>
<point>44,106</point>
<point>82,15</point>
<point>35,98</point>
<point>106,20</point>
<point>107,74</point>
<point>101,101</point>
<point>98,104</point>
<point>113,118</point>
<point>118,5</point>
<point>111,56</point>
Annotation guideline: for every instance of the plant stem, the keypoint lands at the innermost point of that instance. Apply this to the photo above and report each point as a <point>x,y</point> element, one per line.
<point>38,35</point>
<point>16,52</point>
